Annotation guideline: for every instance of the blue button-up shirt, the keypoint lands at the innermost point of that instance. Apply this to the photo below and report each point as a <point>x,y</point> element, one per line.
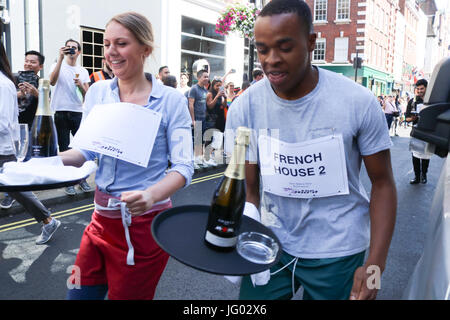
<point>173,141</point>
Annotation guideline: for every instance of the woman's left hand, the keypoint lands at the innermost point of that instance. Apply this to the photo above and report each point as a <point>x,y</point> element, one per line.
<point>138,202</point>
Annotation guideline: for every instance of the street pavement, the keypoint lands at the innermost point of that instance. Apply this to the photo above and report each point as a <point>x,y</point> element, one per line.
<point>33,272</point>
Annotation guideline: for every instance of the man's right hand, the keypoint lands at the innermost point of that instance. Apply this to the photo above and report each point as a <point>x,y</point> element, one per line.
<point>62,52</point>
<point>411,119</point>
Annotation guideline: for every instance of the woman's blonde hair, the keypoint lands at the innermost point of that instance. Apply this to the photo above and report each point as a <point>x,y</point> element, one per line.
<point>138,25</point>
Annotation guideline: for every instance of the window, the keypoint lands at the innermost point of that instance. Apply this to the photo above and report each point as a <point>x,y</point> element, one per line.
<point>341,50</point>
<point>319,50</point>
<point>92,49</point>
<point>256,63</point>
<point>200,41</point>
<point>343,10</point>
<point>320,10</point>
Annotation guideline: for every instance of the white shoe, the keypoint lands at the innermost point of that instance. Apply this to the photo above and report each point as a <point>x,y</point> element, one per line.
<point>210,163</point>
<point>198,163</point>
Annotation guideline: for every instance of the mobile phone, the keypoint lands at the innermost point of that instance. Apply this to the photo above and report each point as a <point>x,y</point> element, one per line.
<point>28,76</point>
<point>233,71</point>
<point>69,51</point>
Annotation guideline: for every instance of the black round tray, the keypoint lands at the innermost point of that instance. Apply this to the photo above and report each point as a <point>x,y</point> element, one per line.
<point>38,187</point>
<point>180,232</point>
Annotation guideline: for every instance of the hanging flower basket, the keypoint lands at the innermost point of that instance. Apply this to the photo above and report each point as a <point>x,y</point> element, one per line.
<point>238,18</point>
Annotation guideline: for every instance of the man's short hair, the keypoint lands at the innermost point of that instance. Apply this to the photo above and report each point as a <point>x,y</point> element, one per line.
<point>170,81</point>
<point>162,68</point>
<point>245,85</point>
<point>71,40</point>
<point>290,6</point>
<point>421,82</point>
<point>40,56</point>
<point>257,73</point>
<point>200,73</point>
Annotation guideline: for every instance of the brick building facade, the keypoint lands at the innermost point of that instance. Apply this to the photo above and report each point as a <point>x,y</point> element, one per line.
<point>347,28</point>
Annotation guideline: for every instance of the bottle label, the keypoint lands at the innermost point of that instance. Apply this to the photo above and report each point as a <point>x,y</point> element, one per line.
<point>36,151</point>
<point>219,241</point>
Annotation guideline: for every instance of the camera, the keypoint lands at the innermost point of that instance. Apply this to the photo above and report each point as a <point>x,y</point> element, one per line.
<point>69,51</point>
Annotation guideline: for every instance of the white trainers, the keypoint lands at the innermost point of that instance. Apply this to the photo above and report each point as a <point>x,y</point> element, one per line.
<point>210,163</point>
<point>198,163</point>
<point>47,231</point>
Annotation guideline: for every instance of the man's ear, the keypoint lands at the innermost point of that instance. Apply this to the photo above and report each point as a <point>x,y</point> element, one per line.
<point>312,42</point>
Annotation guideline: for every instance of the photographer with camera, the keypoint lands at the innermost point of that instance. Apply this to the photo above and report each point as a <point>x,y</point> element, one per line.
<point>71,83</point>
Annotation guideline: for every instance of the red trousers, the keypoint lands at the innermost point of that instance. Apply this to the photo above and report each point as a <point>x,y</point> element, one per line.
<point>103,252</point>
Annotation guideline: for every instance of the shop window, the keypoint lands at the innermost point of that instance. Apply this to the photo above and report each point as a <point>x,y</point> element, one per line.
<point>200,41</point>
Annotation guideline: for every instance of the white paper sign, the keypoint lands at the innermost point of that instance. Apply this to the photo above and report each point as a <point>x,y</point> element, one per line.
<point>311,169</point>
<point>121,130</point>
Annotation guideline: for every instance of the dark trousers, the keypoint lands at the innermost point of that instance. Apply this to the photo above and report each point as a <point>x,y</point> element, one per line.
<point>420,166</point>
<point>27,199</point>
<point>66,122</point>
<point>389,118</point>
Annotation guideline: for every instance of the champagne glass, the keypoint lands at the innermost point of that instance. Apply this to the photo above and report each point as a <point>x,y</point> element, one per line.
<point>21,145</point>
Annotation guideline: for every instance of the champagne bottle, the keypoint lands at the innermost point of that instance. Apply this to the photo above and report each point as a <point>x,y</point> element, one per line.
<point>229,199</point>
<point>43,141</point>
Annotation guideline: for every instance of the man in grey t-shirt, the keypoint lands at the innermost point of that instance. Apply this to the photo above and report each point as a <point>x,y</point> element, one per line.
<point>311,131</point>
<point>197,109</point>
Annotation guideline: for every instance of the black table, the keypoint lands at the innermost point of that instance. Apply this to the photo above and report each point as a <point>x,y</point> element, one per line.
<point>180,232</point>
<point>38,187</point>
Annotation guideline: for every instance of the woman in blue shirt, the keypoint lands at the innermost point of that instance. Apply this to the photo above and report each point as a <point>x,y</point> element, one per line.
<point>124,261</point>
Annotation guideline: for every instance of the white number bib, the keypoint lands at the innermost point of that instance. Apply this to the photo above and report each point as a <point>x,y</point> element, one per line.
<point>311,169</point>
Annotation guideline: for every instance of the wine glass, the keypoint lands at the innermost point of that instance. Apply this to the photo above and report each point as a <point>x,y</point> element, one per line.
<point>21,145</point>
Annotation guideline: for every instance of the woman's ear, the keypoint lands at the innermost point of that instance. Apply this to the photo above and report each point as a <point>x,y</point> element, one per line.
<point>148,51</point>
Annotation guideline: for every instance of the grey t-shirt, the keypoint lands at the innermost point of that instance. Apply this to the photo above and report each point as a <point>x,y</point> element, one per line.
<point>199,94</point>
<point>326,227</point>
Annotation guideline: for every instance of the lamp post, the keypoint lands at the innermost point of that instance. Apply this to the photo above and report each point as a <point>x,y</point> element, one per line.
<point>355,65</point>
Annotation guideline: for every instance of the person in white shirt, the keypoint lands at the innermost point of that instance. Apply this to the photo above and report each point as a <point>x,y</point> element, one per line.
<point>71,83</point>
<point>183,85</point>
<point>9,122</point>
<point>389,110</point>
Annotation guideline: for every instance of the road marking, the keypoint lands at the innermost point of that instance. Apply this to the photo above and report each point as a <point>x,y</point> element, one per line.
<point>22,224</point>
<point>32,219</point>
<point>84,208</point>
<point>206,178</point>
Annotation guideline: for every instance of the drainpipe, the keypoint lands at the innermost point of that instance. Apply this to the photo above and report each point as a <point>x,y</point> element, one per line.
<point>26,23</point>
<point>251,54</point>
<point>7,40</point>
<point>41,38</point>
